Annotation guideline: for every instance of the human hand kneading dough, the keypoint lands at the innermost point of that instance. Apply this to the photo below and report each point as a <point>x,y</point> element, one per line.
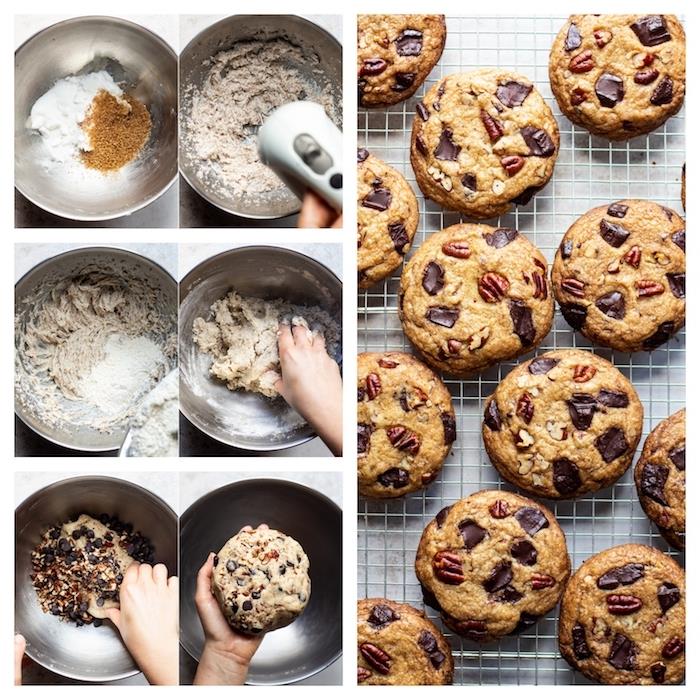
<point>311,383</point>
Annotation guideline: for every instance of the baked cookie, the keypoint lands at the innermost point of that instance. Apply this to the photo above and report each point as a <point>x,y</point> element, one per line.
<point>395,54</point>
<point>387,218</point>
<point>492,564</point>
<point>619,76</point>
<point>405,424</point>
<point>563,424</point>
<point>622,617</point>
<point>660,478</point>
<point>683,187</point>
<point>482,142</point>
<point>619,275</point>
<point>397,645</point>
<point>473,295</point>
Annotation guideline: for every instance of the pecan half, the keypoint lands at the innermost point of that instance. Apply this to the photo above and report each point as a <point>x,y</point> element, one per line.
<point>620,604</point>
<point>672,648</point>
<point>578,96</point>
<point>374,385</point>
<point>582,62</point>
<point>457,249</point>
<point>646,77</point>
<point>447,567</point>
<point>377,658</point>
<point>540,581</point>
<point>493,126</point>
<point>633,256</point>
<point>573,286</point>
<point>512,164</point>
<point>387,363</point>
<point>584,373</point>
<point>493,287</point>
<point>648,288</point>
<point>499,509</point>
<point>540,283</point>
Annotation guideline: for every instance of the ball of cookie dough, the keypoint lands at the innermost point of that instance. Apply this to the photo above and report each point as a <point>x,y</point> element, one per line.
<point>261,580</point>
<point>619,76</point>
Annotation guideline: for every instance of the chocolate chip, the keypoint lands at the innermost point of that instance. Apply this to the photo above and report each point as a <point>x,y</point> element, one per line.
<point>409,42</point>
<point>364,432</point>
<point>469,182</point>
<point>663,92</point>
<point>394,477</point>
<point>423,112</point>
<point>512,93</point>
<point>433,278</point>
<point>507,594</point>
<point>651,30</point>
<point>501,237</point>
<point>247,605</point>
<point>612,305</point>
<point>676,281</point>
<point>580,645</point>
<point>620,576</point>
<point>618,210</point>
<point>668,595</point>
<point>449,426</point>
<point>521,315</point>
<point>442,515</point>
<point>573,38</point>
<point>612,444</point>
<point>658,672</point>
<point>524,552</point>
<point>575,315</point>
<point>653,481</point>
<point>378,198</point>
<point>403,81</point>
<point>660,336</point>
<point>582,408</point>
<point>679,239</point>
<point>566,248</point>
<point>442,316</point>
<point>397,233</point>
<point>501,575</point>
<point>566,477</point>
<point>532,520</point>
<point>623,653</point>
<point>538,141</point>
<point>428,643</point>
<point>446,149</point>
<point>373,66</point>
<point>614,234</point>
<point>362,155</point>
<point>472,534</point>
<point>610,90</point>
<point>542,365</point>
<point>381,616</point>
<point>492,417</point>
<point>613,399</point>
<point>677,456</point>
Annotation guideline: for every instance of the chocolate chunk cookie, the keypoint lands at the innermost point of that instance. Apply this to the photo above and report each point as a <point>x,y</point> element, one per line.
<point>395,54</point>
<point>387,218</point>
<point>492,564</point>
<point>563,424</point>
<point>660,478</point>
<point>397,645</point>
<point>405,424</point>
<point>619,275</point>
<point>473,295</point>
<point>482,142</point>
<point>622,618</point>
<point>619,75</point>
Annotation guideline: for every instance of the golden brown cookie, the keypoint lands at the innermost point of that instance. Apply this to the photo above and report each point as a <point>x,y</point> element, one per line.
<point>619,75</point>
<point>619,275</point>
<point>622,618</point>
<point>660,478</point>
<point>397,645</point>
<point>405,424</point>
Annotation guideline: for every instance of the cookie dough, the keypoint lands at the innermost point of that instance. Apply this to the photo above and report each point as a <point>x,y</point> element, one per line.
<point>622,618</point>
<point>482,142</point>
<point>562,425</point>
<point>397,645</point>
<point>492,564</point>
<point>660,478</point>
<point>387,218</point>
<point>241,336</point>
<point>619,76</point>
<point>619,275</point>
<point>261,580</point>
<point>474,295</point>
<point>395,54</point>
<point>405,424</point>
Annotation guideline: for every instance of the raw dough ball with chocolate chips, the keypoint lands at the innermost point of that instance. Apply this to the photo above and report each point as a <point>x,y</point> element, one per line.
<point>395,54</point>
<point>397,645</point>
<point>482,142</point>
<point>492,564</point>
<point>387,218</point>
<point>473,295</point>
<point>619,275</point>
<point>563,424</point>
<point>622,618</point>
<point>660,478</point>
<point>261,580</point>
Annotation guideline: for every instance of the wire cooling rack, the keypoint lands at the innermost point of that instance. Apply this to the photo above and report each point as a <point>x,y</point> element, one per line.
<point>590,171</point>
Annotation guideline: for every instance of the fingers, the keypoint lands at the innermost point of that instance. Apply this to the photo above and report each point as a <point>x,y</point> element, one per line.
<point>173,583</point>
<point>160,574</point>
<point>145,572</point>
<point>285,340</point>
<point>20,647</point>
<point>319,342</point>
<point>338,223</point>
<point>302,335</point>
<point>315,213</point>
<point>131,575</point>
<point>114,615</point>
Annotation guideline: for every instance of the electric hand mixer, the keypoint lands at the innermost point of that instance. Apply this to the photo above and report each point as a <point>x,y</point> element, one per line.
<point>304,148</point>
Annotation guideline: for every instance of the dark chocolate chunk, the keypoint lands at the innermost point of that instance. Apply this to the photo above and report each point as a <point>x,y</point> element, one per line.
<point>613,399</point>
<point>663,92</point>
<point>512,93</point>
<point>507,594</point>
<point>676,281</point>
<point>532,520</point>
<point>660,336</point>
<point>582,408</point>
<point>378,198</point>
<point>668,595</point>
<point>612,305</point>
<point>614,234</point>
<point>409,42</point>
<point>469,182</point>
<point>623,653</point>
<point>397,233</point>
<point>651,30</point>
<point>362,155</point>
<point>442,514</point>
<point>617,210</point>
<point>542,365</point>
<point>501,237</point>
<point>610,90</point>
<point>442,316</point>
<point>573,38</point>
<point>566,248</point>
<point>394,477</point>
<point>580,645</point>
<point>679,239</point>
<point>538,141</point>
<point>446,149</point>
<point>620,576</point>
<point>449,426</point>
<point>612,444</point>
<point>501,575</point>
<point>524,552</point>
<point>364,432</point>
<point>381,616</point>
<point>653,481</point>
<point>403,81</point>
<point>575,315</point>
<point>428,643</point>
<point>472,534</point>
<point>492,417</point>
<point>523,327</point>
<point>566,477</point>
<point>433,278</point>
<point>422,111</point>
<point>677,456</point>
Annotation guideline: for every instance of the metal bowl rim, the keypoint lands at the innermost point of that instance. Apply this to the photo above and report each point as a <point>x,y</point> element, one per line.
<point>164,44</point>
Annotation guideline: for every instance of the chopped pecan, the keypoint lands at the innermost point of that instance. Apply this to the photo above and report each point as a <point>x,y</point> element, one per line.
<point>363,674</point>
<point>633,256</point>
<point>648,288</point>
<point>578,96</point>
<point>403,439</point>
<point>493,126</point>
<point>387,363</point>
<point>582,62</point>
<point>512,164</point>
<point>540,283</point>
<point>525,407</point>
<point>377,658</point>
<point>584,373</point>
<point>646,77</point>
<point>602,37</point>
<point>499,509</point>
<point>573,286</point>
<point>447,567</point>
<point>493,287</point>
<point>672,648</point>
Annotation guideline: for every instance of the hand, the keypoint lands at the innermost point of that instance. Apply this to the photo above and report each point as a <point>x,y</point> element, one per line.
<point>311,383</point>
<point>315,213</point>
<point>147,620</point>
<point>20,646</point>
<point>227,654</point>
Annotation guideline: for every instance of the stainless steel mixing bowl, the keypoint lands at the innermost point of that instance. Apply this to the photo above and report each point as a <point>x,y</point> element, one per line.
<point>313,641</point>
<point>88,653</point>
<point>221,36</point>
<point>146,65</point>
<point>259,271</point>
<point>129,264</point>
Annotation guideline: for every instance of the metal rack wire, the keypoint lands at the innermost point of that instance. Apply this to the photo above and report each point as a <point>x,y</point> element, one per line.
<point>590,171</point>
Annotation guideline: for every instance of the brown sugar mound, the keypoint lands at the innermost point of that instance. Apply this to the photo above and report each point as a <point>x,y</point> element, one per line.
<point>117,129</point>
